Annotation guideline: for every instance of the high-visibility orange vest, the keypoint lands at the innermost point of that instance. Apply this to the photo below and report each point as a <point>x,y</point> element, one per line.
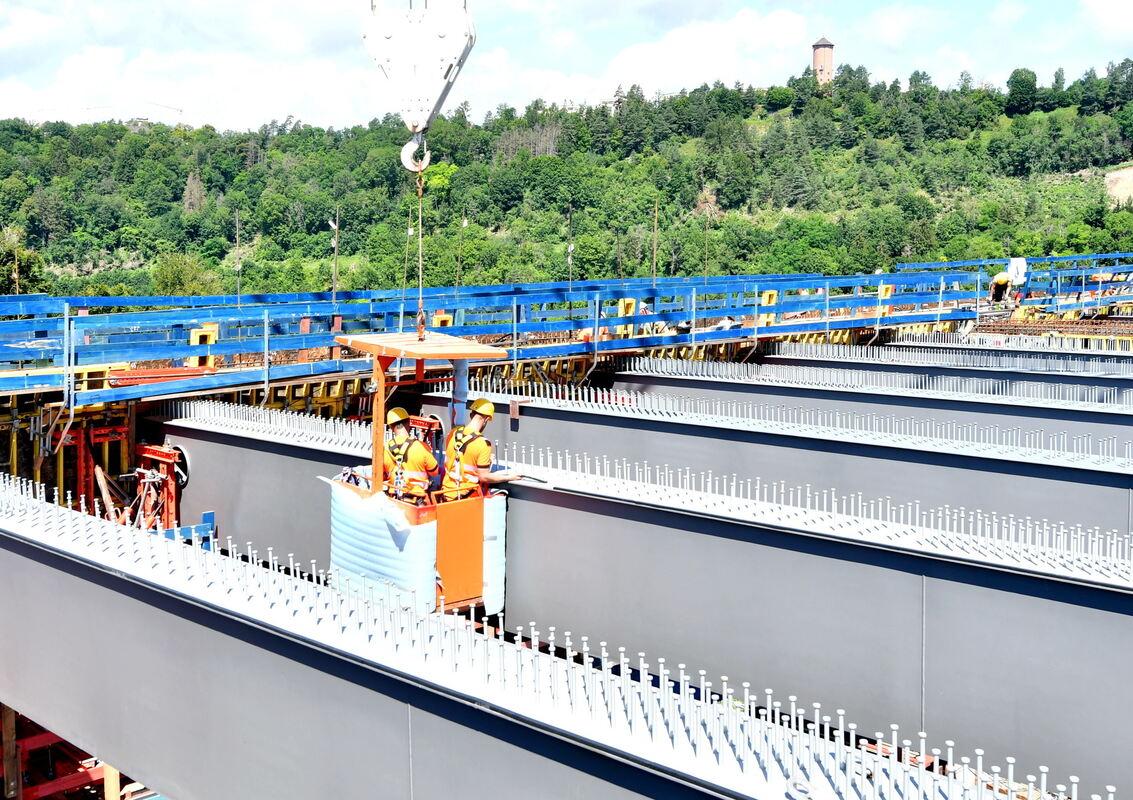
<point>462,474</point>
<point>409,475</point>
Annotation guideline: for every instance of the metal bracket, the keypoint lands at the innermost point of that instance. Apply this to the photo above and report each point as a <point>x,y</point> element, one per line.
<point>421,49</point>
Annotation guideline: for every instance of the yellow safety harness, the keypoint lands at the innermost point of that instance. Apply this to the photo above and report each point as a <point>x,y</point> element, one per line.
<point>399,451</point>
<point>462,438</point>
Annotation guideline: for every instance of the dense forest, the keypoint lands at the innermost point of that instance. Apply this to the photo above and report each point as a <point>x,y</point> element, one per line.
<point>842,178</point>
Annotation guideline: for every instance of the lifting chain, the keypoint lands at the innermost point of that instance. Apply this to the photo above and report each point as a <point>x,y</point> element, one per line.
<point>420,255</point>
<point>418,166</point>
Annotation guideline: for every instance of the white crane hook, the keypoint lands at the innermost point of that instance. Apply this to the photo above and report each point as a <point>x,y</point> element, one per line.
<point>409,158</point>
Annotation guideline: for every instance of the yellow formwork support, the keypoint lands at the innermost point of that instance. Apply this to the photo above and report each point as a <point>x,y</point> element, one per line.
<point>627,307</point>
<point>59,474</point>
<point>768,298</point>
<point>209,333</point>
<point>884,292</point>
<point>37,467</point>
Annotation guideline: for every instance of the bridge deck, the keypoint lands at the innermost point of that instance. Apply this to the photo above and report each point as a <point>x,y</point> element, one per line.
<point>850,597</point>
<point>259,682</point>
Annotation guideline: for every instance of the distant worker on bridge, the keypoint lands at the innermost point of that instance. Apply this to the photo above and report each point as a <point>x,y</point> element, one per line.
<point>1000,285</point>
<point>468,456</point>
<point>409,464</point>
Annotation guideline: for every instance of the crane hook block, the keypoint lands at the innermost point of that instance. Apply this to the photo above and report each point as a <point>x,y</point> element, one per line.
<point>421,49</point>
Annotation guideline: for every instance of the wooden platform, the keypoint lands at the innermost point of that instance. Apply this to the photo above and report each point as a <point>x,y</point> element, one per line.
<point>436,347</point>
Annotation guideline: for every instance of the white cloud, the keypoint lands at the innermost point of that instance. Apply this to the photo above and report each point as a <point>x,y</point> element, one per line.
<point>563,39</point>
<point>1110,19</point>
<point>752,48</point>
<point>607,12</point>
<point>749,48</point>
<point>259,60</point>
<point>898,26</point>
<point>241,64</point>
<point>233,65</point>
<point>958,61</point>
<point>26,27</point>
<point>1007,13</point>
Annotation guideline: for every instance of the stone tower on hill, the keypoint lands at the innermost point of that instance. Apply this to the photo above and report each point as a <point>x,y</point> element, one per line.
<point>824,61</point>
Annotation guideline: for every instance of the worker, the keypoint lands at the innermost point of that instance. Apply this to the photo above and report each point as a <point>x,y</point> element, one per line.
<point>408,463</point>
<point>999,286</point>
<point>586,335</point>
<point>1099,280</point>
<point>468,456</point>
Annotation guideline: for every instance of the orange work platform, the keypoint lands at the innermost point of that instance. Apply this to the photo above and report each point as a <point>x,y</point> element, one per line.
<point>460,524</point>
<point>460,547</point>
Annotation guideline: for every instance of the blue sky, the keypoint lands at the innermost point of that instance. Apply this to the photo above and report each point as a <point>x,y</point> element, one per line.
<point>236,64</point>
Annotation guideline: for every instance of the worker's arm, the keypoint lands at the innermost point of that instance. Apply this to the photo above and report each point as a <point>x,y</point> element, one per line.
<point>504,476</point>
<point>481,453</point>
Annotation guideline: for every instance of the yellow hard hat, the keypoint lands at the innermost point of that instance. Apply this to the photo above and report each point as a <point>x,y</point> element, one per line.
<point>484,407</point>
<point>396,416</point>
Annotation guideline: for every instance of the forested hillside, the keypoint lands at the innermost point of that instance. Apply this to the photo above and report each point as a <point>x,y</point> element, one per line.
<point>843,178</point>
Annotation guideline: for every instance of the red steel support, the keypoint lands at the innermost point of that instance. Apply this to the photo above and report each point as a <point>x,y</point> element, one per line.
<point>83,440</point>
<point>39,741</point>
<point>304,329</point>
<point>81,771</point>
<point>336,327</point>
<point>84,470</point>
<point>159,501</point>
<point>68,783</point>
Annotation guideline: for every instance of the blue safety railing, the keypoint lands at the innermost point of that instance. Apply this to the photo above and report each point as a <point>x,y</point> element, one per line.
<point>928,266</point>
<point>1057,283</point>
<point>531,322</point>
<point>1073,283</point>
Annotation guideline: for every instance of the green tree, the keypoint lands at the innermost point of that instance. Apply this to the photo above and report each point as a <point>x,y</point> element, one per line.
<point>779,97</point>
<point>183,274</point>
<point>1125,123</point>
<point>1022,88</point>
<point>22,269</point>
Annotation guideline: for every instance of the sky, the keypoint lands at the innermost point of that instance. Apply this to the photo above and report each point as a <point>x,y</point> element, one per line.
<point>238,64</point>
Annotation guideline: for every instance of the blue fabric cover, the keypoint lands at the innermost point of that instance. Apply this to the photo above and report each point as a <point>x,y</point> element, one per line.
<point>370,536</point>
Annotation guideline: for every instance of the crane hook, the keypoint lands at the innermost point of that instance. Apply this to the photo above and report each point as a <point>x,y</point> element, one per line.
<point>409,158</point>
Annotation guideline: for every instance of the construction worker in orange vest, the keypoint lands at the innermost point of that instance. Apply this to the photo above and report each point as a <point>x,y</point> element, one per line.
<point>408,462</point>
<point>468,456</point>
